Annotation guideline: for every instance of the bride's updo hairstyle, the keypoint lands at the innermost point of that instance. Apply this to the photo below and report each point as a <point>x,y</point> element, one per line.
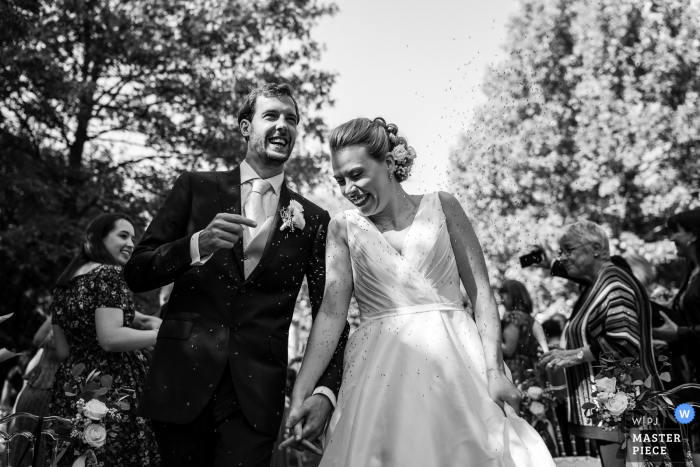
<point>379,138</point>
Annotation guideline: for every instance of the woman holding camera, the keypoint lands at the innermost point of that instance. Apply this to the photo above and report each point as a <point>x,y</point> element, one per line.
<point>612,315</point>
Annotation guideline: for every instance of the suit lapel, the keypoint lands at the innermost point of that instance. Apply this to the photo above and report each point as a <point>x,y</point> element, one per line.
<point>275,236</point>
<point>229,184</point>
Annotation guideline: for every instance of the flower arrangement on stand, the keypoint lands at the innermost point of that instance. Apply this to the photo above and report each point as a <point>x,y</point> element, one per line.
<point>98,406</point>
<point>537,407</point>
<point>536,400</point>
<point>623,399</point>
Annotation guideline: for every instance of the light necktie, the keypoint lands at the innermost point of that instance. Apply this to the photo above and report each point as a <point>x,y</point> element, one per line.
<point>254,209</point>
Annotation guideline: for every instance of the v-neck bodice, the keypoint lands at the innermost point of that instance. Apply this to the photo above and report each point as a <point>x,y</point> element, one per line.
<point>408,229</point>
<point>424,273</point>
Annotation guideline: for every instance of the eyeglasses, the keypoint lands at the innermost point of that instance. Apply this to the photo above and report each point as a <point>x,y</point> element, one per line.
<point>568,251</point>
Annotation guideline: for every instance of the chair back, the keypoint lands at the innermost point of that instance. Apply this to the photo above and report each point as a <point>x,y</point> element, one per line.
<point>47,429</point>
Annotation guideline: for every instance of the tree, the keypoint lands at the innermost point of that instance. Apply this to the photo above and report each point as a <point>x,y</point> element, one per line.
<point>102,102</point>
<point>593,115</point>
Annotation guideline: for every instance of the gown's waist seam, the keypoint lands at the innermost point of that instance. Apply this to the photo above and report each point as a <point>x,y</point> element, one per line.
<point>408,310</point>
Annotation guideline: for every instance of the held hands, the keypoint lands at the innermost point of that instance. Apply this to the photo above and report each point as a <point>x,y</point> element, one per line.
<point>557,359</point>
<point>502,391</point>
<point>307,419</point>
<point>222,232</point>
<point>666,332</point>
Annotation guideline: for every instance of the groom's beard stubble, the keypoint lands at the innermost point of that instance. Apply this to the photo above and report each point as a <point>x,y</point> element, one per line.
<point>269,158</point>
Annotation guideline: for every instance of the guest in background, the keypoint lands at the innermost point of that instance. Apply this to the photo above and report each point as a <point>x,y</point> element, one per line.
<point>35,396</point>
<point>613,314</point>
<point>684,230</point>
<point>645,272</point>
<point>92,313</point>
<point>553,328</point>
<point>521,347</point>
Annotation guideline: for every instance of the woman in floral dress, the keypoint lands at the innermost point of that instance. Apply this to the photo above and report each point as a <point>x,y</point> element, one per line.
<point>93,313</point>
<point>521,349</point>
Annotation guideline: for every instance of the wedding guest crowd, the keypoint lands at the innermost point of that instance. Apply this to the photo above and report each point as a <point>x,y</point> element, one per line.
<point>620,308</point>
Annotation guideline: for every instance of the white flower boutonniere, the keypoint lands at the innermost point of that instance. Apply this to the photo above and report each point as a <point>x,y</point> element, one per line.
<point>293,216</point>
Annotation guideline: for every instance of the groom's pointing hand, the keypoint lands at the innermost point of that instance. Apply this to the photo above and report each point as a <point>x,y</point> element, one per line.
<point>222,232</point>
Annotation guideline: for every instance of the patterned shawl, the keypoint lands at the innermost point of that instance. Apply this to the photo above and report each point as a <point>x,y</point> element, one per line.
<point>614,316</point>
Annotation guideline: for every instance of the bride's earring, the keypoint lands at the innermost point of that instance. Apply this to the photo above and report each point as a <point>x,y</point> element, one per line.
<point>391,175</point>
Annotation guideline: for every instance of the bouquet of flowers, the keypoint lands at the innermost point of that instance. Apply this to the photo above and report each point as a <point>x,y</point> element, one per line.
<point>622,399</point>
<point>537,407</point>
<point>97,417</point>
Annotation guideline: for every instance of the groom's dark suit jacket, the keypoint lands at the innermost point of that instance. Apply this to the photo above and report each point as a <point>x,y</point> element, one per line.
<point>215,315</point>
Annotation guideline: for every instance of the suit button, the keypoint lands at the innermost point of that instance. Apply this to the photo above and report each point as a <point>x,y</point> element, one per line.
<point>234,328</point>
<point>242,290</point>
<point>245,257</point>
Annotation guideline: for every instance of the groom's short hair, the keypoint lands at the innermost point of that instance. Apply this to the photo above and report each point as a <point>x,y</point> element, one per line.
<point>266,90</point>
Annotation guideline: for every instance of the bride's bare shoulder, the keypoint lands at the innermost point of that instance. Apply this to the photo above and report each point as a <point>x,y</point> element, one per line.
<point>338,226</point>
<point>450,205</point>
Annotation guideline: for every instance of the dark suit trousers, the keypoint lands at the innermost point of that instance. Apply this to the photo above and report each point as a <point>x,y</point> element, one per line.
<point>219,437</point>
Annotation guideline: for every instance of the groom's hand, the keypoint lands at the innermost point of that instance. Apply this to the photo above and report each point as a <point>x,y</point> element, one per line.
<point>307,422</point>
<point>222,232</point>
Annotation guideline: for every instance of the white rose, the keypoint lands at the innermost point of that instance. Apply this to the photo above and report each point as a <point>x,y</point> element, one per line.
<point>95,410</point>
<point>606,384</point>
<point>400,153</point>
<point>295,205</point>
<point>411,153</point>
<point>297,214</point>
<point>537,409</point>
<point>95,435</point>
<point>534,392</point>
<point>603,396</point>
<point>617,404</point>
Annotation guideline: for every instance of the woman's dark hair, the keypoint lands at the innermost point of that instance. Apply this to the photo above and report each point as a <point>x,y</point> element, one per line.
<point>552,328</point>
<point>689,221</point>
<point>378,137</point>
<point>518,294</point>
<point>93,248</point>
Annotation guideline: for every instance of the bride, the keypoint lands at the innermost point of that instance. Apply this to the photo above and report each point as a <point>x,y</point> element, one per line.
<point>423,383</point>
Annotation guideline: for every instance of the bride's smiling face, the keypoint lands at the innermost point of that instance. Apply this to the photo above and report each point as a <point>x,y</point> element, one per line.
<point>363,179</point>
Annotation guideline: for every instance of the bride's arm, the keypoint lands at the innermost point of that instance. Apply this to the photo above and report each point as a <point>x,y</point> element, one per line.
<point>331,318</point>
<point>474,276</point>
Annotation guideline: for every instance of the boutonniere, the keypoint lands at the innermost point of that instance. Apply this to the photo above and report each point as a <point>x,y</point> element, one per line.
<point>292,216</point>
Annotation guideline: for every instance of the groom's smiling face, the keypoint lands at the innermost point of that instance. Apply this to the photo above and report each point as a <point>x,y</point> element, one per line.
<point>272,130</point>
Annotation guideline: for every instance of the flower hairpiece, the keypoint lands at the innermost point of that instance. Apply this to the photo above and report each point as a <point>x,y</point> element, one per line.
<point>403,156</point>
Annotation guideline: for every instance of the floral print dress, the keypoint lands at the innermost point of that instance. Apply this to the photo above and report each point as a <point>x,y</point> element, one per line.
<point>527,352</point>
<point>74,310</point>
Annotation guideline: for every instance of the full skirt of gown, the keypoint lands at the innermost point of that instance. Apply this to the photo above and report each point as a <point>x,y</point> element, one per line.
<point>414,390</point>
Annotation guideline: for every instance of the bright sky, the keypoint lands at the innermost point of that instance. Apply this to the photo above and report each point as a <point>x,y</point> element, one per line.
<point>416,63</point>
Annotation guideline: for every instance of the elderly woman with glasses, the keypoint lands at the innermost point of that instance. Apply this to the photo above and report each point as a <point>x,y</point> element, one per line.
<point>612,315</point>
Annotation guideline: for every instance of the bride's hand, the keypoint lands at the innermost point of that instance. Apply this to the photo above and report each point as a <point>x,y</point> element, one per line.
<point>502,390</point>
<point>307,419</point>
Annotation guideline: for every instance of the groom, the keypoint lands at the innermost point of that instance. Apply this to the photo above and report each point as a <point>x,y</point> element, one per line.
<point>216,384</point>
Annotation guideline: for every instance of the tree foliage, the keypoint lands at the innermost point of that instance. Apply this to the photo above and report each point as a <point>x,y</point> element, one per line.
<point>103,101</point>
<point>593,115</point>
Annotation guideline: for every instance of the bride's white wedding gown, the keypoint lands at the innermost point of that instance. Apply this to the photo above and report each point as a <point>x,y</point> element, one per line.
<point>414,389</point>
